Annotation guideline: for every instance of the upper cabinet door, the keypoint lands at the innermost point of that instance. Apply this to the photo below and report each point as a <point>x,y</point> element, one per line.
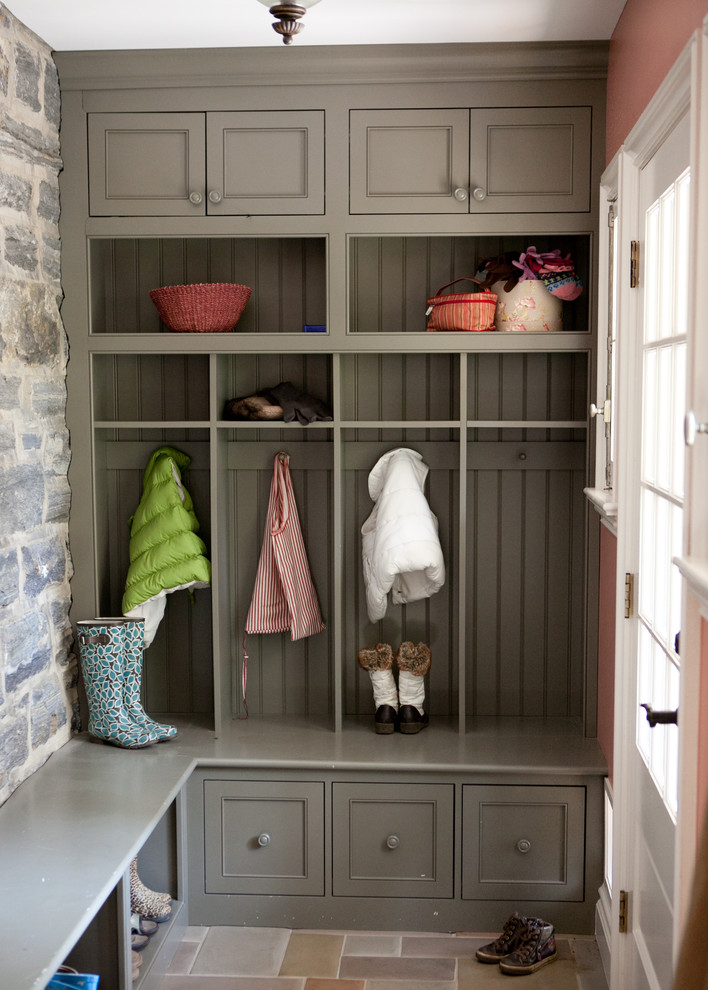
<point>408,161</point>
<point>265,163</point>
<point>146,164</point>
<point>530,160</point>
<point>509,160</point>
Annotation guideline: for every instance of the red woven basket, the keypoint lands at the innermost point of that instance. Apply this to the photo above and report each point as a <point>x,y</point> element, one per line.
<point>211,307</point>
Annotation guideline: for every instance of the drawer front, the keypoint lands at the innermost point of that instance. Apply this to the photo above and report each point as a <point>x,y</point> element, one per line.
<point>264,837</point>
<point>393,840</point>
<point>523,842</point>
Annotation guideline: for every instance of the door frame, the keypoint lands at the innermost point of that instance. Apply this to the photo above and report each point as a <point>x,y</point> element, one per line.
<point>678,94</point>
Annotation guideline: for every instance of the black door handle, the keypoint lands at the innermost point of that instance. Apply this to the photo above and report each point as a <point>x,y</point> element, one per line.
<point>660,718</point>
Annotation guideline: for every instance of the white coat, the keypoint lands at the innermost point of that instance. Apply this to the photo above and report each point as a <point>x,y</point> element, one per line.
<point>400,546</point>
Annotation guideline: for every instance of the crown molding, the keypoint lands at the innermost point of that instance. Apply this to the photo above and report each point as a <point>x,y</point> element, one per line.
<point>345,65</point>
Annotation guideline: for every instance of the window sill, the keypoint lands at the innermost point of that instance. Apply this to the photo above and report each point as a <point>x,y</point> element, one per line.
<point>694,570</point>
<point>604,502</point>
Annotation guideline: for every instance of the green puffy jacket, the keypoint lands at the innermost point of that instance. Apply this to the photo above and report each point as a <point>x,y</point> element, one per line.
<point>165,552</point>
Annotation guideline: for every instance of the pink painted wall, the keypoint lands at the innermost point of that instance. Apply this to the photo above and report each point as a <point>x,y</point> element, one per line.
<point>703,728</point>
<point>606,646</point>
<point>646,42</point>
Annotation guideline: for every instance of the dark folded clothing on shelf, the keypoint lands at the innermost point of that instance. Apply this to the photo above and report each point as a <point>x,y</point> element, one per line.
<point>284,401</point>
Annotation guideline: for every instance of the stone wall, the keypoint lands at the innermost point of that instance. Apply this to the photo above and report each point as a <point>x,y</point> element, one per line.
<point>38,672</point>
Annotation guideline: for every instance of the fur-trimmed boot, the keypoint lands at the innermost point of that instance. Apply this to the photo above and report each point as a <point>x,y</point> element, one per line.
<point>145,902</point>
<point>413,664</point>
<point>378,661</point>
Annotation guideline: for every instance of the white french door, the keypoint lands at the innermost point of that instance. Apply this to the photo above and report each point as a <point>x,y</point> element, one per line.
<point>654,497</point>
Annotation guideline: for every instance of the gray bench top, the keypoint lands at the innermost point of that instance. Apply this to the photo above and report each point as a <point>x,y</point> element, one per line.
<point>69,832</point>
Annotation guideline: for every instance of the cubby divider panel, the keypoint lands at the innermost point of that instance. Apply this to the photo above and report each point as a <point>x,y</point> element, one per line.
<point>392,277</point>
<point>287,276</point>
<point>434,620</point>
<point>284,677</point>
<point>177,676</point>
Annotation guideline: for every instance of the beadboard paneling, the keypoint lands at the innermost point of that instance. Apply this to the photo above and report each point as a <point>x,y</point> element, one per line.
<point>400,387</point>
<point>287,276</point>
<point>525,591</point>
<point>178,670</point>
<point>245,374</point>
<point>432,620</point>
<point>145,387</point>
<point>284,677</point>
<point>391,278</point>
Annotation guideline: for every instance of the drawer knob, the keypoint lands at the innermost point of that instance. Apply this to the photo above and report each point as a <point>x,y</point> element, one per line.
<point>264,839</point>
<point>215,196</point>
<point>523,845</point>
<point>393,842</point>
<point>479,193</point>
<point>460,194</point>
<point>195,197</point>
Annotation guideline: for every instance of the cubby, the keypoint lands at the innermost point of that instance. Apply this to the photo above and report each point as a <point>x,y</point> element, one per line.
<point>392,277</point>
<point>287,276</point>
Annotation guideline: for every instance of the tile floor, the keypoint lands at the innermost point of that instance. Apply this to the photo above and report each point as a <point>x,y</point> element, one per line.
<point>223,958</point>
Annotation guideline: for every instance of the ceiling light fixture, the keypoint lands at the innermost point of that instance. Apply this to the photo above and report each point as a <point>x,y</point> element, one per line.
<point>288,17</point>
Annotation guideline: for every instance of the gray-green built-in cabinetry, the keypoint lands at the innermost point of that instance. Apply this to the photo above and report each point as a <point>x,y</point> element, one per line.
<point>345,186</point>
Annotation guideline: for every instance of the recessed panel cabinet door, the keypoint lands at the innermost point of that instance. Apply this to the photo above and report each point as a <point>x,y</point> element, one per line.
<point>264,837</point>
<point>146,164</point>
<point>392,840</point>
<point>525,843</point>
<point>408,161</point>
<point>530,160</point>
<point>490,160</point>
<point>265,163</point>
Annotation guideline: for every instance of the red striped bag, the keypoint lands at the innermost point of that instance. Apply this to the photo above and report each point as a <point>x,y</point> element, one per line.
<point>461,310</point>
<point>284,597</point>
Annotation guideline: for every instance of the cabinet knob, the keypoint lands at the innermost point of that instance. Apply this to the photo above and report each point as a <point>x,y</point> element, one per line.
<point>393,842</point>
<point>264,839</point>
<point>479,194</point>
<point>460,194</point>
<point>523,845</point>
<point>195,197</point>
<point>215,196</point>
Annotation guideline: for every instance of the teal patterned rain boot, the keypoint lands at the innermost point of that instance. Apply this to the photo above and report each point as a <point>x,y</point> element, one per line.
<point>134,640</point>
<point>101,654</point>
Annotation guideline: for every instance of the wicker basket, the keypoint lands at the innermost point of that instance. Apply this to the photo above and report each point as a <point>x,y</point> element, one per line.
<point>213,307</point>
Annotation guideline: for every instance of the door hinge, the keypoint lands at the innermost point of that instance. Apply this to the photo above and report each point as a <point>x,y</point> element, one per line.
<point>634,264</point>
<point>623,911</point>
<point>628,596</point>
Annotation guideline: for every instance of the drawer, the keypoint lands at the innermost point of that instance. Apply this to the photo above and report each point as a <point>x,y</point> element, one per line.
<point>523,842</point>
<point>264,837</point>
<point>393,840</point>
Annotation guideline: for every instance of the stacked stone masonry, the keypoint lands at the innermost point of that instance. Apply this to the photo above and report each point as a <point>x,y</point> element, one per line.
<point>38,671</point>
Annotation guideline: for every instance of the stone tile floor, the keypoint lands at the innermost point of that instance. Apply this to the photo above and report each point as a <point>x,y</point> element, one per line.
<point>222,958</point>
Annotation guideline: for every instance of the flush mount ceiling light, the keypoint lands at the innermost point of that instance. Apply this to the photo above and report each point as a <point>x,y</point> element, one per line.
<point>288,17</point>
